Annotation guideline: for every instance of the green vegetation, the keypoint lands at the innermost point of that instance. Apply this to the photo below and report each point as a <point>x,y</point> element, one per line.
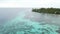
<point>47,10</point>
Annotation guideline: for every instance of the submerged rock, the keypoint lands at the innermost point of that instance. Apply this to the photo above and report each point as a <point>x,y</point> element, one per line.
<point>20,25</point>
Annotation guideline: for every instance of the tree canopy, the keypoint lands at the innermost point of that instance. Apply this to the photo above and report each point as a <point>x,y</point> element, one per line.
<point>47,10</point>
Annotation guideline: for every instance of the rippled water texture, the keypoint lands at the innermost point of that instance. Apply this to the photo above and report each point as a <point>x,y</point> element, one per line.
<point>27,22</point>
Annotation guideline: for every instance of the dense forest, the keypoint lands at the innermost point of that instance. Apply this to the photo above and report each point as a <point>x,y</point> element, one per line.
<point>47,10</point>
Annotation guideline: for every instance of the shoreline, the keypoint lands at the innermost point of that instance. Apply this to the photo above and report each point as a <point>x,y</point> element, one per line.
<point>47,10</point>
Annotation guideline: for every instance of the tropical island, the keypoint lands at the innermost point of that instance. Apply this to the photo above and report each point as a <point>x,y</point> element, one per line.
<point>47,10</point>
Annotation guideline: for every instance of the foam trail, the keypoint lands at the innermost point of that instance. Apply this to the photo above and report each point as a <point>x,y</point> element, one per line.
<point>26,26</point>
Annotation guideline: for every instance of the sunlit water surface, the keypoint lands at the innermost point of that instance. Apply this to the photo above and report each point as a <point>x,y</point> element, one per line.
<point>24,21</point>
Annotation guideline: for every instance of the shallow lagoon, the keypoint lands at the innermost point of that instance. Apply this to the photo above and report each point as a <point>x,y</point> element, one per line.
<point>24,21</point>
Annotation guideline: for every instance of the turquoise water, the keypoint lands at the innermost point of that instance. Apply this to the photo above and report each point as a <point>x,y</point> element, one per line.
<point>24,24</point>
